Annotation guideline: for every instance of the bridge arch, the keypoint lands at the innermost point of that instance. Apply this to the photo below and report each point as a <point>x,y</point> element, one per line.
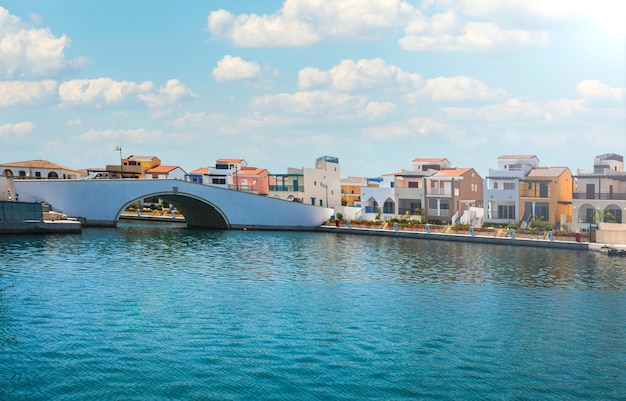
<point>198,212</point>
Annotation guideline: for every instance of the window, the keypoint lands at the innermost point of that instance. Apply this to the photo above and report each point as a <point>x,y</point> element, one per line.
<point>22,173</point>
<point>219,181</point>
<point>509,185</point>
<point>414,184</point>
<point>38,174</point>
<point>495,185</point>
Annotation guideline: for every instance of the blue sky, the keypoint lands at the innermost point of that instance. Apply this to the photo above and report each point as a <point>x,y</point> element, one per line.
<point>376,83</point>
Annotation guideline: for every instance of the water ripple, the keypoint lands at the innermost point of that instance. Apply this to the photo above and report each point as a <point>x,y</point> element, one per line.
<point>150,313</point>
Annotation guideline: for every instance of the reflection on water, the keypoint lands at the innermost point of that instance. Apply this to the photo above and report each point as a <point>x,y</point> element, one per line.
<point>148,312</point>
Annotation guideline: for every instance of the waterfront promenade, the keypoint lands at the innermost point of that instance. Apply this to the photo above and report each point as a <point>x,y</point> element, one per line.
<point>494,237</point>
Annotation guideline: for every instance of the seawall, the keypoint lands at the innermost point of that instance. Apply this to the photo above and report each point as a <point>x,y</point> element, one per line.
<point>541,243</point>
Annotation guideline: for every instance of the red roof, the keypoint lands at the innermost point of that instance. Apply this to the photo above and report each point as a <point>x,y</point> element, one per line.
<point>161,169</point>
<point>451,172</point>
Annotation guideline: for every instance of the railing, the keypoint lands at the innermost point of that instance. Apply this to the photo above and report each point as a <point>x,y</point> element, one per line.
<point>601,196</point>
<point>286,188</point>
<point>438,212</point>
<point>438,191</point>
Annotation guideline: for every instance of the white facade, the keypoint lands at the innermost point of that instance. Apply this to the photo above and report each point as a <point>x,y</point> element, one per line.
<point>319,186</point>
<point>501,188</point>
<point>600,196</point>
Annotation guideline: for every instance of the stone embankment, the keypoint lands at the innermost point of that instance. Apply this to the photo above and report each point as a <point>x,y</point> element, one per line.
<point>486,236</point>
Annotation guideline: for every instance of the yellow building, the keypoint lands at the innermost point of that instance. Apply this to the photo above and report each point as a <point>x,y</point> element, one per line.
<point>546,194</point>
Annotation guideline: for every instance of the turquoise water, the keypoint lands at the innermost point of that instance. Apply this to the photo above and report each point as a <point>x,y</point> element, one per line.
<point>151,313</point>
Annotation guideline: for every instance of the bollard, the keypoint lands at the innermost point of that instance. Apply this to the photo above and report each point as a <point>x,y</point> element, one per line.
<point>549,235</point>
<point>395,226</point>
<point>472,231</point>
<point>427,228</point>
<point>511,233</point>
<point>348,223</point>
<point>138,210</point>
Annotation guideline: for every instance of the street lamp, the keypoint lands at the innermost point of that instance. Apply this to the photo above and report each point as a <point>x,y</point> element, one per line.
<point>119,148</point>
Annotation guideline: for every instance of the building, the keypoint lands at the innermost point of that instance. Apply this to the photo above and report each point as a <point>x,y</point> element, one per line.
<point>162,172</point>
<point>600,196</point>
<point>132,167</point>
<point>232,174</point>
<point>38,169</point>
<point>351,190</point>
<point>451,192</point>
<point>319,186</point>
<point>502,188</point>
<point>410,184</point>
<point>546,196</point>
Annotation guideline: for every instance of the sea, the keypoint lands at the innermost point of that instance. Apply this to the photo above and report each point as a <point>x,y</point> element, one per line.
<point>159,312</point>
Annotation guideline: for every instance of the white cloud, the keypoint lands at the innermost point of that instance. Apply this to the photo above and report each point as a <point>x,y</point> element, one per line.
<point>314,102</point>
<point>378,110</point>
<point>19,129</point>
<point>425,125</point>
<point>172,92</point>
<point>105,91</point>
<point>387,132</point>
<point>349,75</point>
<point>99,90</point>
<point>592,88</point>
<point>31,52</point>
<point>474,36</point>
<point>515,109</point>
<point>459,88</point>
<point>231,68</point>
<point>136,135</point>
<point>304,22</point>
<point>25,92</point>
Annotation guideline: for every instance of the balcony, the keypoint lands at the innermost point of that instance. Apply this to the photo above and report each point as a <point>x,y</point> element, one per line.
<point>286,188</point>
<point>438,212</point>
<point>600,196</point>
<point>438,192</point>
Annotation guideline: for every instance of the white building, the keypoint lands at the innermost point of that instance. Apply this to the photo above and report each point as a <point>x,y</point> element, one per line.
<point>319,186</point>
<point>38,169</point>
<point>502,188</point>
<point>600,195</point>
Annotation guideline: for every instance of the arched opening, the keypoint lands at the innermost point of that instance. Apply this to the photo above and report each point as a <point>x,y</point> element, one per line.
<point>197,213</point>
<point>53,174</point>
<point>7,173</point>
<point>612,214</point>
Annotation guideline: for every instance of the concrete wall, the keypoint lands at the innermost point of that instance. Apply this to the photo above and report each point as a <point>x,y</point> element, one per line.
<point>611,233</point>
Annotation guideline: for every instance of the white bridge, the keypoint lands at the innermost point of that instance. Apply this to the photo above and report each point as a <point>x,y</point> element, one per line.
<point>101,202</point>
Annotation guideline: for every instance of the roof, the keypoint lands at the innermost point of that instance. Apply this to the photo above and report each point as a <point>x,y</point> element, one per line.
<point>354,180</point>
<point>251,170</point>
<point>37,164</point>
<point>518,157</point>
<point>230,160</point>
<point>162,169</point>
<point>546,171</point>
<point>429,159</point>
<point>201,170</point>
<point>452,172</point>
<point>137,158</point>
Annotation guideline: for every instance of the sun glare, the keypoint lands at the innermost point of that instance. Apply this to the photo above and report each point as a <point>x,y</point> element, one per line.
<point>608,15</point>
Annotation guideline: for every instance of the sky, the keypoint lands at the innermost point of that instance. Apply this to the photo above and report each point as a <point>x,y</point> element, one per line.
<point>376,83</point>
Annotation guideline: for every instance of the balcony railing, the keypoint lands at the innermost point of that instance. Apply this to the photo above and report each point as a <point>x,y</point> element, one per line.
<point>438,212</point>
<point>601,196</point>
<point>438,192</point>
<point>286,188</point>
